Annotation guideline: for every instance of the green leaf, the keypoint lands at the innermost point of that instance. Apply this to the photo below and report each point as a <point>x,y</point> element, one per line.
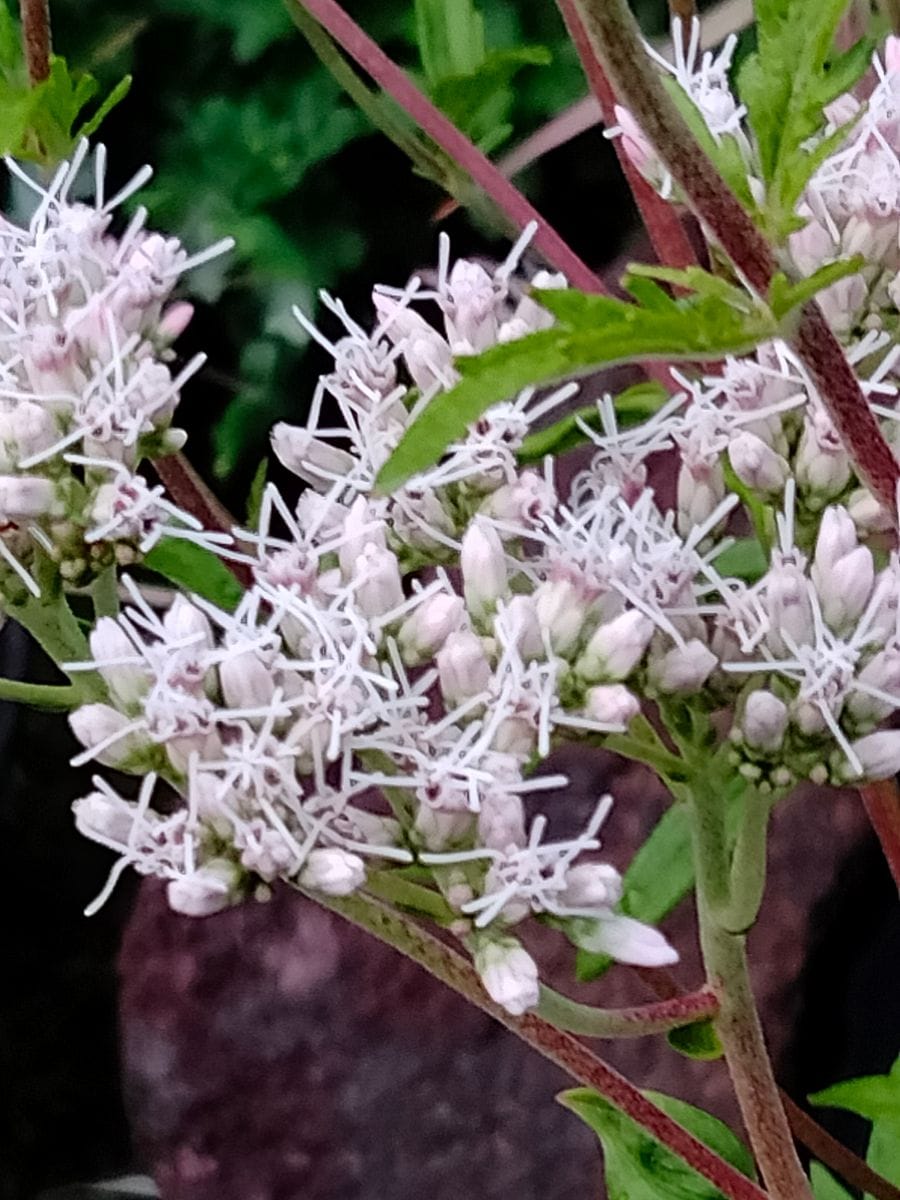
<point>450,37</point>
<point>635,404</point>
<point>10,42</point>
<point>745,559</point>
<point>479,103</point>
<point>119,92</point>
<point>785,295</point>
<point>877,1098</point>
<point>199,570</point>
<point>786,84</point>
<point>593,331</point>
<point>825,1186</point>
<point>638,1167</point>
<point>255,495</point>
<point>699,1041</point>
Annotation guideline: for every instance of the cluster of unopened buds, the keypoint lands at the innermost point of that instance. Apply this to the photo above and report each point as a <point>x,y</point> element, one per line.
<point>87,389</point>
<point>400,664</point>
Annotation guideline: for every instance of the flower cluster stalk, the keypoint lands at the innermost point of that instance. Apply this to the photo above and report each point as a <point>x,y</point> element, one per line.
<point>36,38</point>
<point>616,39</point>
<point>554,1044</point>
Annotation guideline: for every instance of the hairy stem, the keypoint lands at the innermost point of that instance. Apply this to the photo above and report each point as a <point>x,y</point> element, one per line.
<point>360,47</point>
<point>638,1021</point>
<point>576,1059</point>
<point>36,38</point>
<point>738,1023</point>
<point>616,39</point>
<point>667,234</point>
<point>882,805</point>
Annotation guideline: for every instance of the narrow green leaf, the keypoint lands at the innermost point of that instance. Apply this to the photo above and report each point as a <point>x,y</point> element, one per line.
<point>190,566</point>
<point>119,92</point>
<point>745,559</point>
<point>699,1041</point>
<point>825,1186</point>
<point>785,295</point>
<point>877,1098</point>
<point>450,38</point>
<point>255,495</point>
<point>638,1167</point>
<point>594,331</point>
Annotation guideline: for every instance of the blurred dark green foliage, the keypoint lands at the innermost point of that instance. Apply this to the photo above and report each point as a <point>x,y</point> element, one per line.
<point>251,137</point>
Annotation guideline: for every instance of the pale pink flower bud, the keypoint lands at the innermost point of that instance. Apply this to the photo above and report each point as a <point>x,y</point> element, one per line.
<point>470,308</point>
<point>700,492</point>
<point>110,647</point>
<point>208,890</point>
<point>101,728</point>
<point>616,648</point>
<point>427,628</point>
<point>836,537</point>
<point>891,55</point>
<point>484,568</point>
<point>869,514</point>
<point>175,320</point>
<point>361,528</point>
<point>764,721</point>
<point>97,815</point>
<point>530,316</point>
<point>883,673</point>
<point>501,821</point>
<point>463,668</point>
<point>789,609</point>
<point>636,145</point>
<point>592,885</point>
<point>521,620</point>
<point>379,585</point>
<point>844,590</point>
<point>509,975</point>
<point>878,753</point>
<point>611,704</point>
<point>843,302</point>
<point>758,465</point>
<point>561,611</point>
<point>521,503</point>
<point>438,830</point>
<point>316,462</point>
<point>627,941</point>
<point>682,669</point>
<point>811,246</point>
<point>25,496</point>
<point>517,736</point>
<point>821,465</point>
<point>246,681</point>
<point>25,429</point>
<point>428,357</point>
<point>333,871</point>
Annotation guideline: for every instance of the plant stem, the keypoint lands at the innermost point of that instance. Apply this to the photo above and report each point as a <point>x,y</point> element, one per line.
<point>616,39</point>
<point>54,697</point>
<point>891,10</point>
<point>667,234</point>
<point>53,626</point>
<point>36,38</point>
<point>639,1021</point>
<point>882,804</point>
<point>360,47</point>
<point>738,1023</point>
<point>560,1048</point>
<point>747,880</point>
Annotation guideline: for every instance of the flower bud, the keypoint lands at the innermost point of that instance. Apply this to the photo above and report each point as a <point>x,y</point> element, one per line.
<point>333,871</point>
<point>101,729</point>
<point>245,680</point>
<point>882,673</point>
<point>484,569</point>
<point>521,621</point>
<point>427,627</point>
<point>700,491</point>
<point>509,975</point>
<point>470,308</point>
<point>878,754</point>
<point>501,820</point>
<point>26,429</point>
<point>627,941</point>
<point>111,648</point>
<point>379,585</point>
<point>845,589</point>
<point>821,465</point>
<point>316,462</point>
<point>789,609</point>
<point>463,667</point>
<point>175,320</point>
<point>428,357</point>
<point>843,301</point>
<point>836,538</point>
<point>437,830</point>
<point>811,246</point>
<point>869,515</point>
<point>97,816</point>
<point>611,704</point>
<point>764,721</point>
<point>360,529</point>
<point>561,611</point>
<point>758,465</point>
<point>23,496</point>
<point>592,885</point>
<point>616,648</point>
<point>683,669</point>
<point>208,890</point>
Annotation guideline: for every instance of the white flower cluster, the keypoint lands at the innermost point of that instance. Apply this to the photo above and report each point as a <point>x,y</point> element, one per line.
<point>766,414</point>
<point>86,389</point>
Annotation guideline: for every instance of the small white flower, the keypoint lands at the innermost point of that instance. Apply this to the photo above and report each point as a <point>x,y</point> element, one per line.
<point>463,667</point>
<point>333,871</point>
<point>208,890</point>
<point>764,720</point>
<point>682,669</point>
<point>428,626</point>
<point>616,648</point>
<point>509,975</point>
<point>758,465</point>
<point>878,755</point>
<point>612,704</point>
<point>483,563</point>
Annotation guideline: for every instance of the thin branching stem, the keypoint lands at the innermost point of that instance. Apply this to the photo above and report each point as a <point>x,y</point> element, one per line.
<point>36,38</point>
